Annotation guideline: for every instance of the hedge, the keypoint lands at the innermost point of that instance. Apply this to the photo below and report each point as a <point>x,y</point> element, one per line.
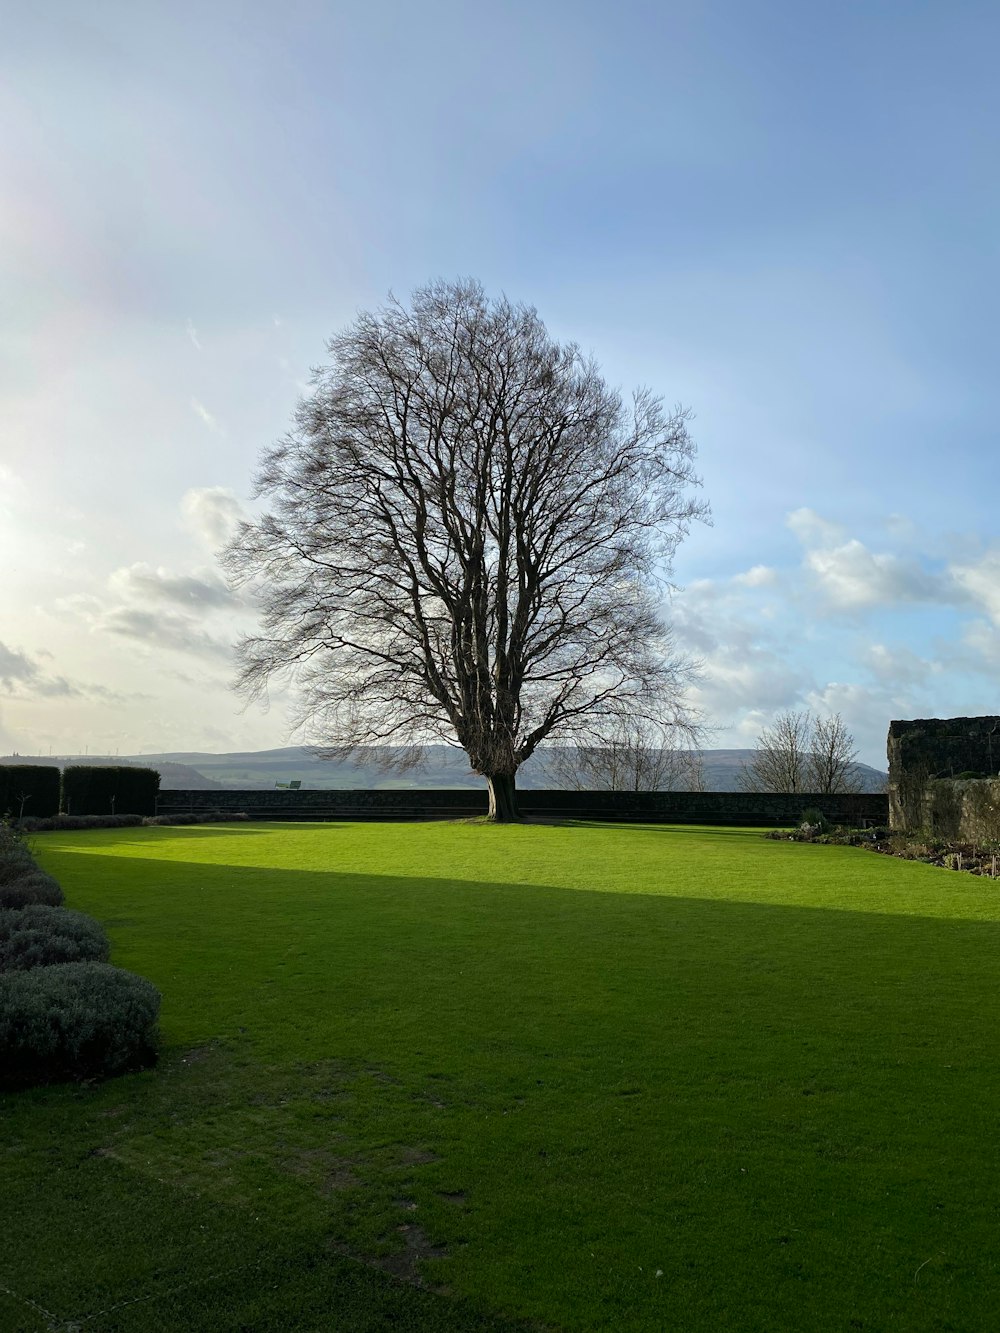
<point>33,886</point>
<point>29,789</point>
<point>121,789</point>
<point>37,935</point>
<point>75,1020</point>
<point>15,862</point>
<point>67,823</point>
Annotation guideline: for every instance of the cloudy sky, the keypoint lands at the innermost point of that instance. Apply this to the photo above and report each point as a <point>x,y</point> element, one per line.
<point>782,215</point>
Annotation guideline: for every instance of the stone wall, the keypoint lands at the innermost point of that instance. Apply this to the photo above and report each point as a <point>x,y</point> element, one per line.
<point>935,748</point>
<point>749,809</point>
<point>962,811</point>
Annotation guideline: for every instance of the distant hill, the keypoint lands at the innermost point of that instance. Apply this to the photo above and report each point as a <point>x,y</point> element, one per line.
<point>444,767</point>
<point>723,768</point>
<point>174,776</point>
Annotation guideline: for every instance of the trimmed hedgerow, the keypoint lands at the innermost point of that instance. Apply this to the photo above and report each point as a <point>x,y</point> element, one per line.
<point>67,822</point>
<point>75,1020</point>
<point>39,936</point>
<point>205,817</point>
<point>29,789</point>
<point>33,886</point>
<point>76,822</point>
<point>92,789</point>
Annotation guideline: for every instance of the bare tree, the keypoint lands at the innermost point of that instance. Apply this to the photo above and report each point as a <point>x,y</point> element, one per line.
<point>832,765</point>
<point>636,756</point>
<point>468,534</point>
<point>781,757</point>
<point>802,753</point>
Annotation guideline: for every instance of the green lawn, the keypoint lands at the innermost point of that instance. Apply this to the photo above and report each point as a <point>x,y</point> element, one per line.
<point>459,1077</point>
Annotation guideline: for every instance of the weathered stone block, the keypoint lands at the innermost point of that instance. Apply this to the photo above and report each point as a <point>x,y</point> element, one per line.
<point>963,811</point>
<point>935,748</point>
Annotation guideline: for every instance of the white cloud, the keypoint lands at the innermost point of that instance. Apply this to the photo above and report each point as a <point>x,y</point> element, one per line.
<point>22,677</point>
<point>981,582</point>
<point>189,611</point>
<point>21,674</point>
<point>744,662</point>
<point>202,411</point>
<point>855,578</point>
<point>979,649</point>
<point>192,333</point>
<point>15,667</point>
<point>760,576</point>
<point>735,681</point>
<point>212,513</point>
<point>899,665</point>
<point>813,530</point>
<point>163,629</point>
<point>198,591</point>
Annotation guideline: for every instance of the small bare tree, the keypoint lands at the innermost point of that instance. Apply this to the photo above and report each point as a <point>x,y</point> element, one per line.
<point>636,756</point>
<point>468,535</point>
<point>800,753</point>
<point>832,765</point>
<point>781,756</point>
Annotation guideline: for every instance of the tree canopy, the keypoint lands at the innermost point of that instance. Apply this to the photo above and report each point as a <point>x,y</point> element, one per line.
<point>468,539</point>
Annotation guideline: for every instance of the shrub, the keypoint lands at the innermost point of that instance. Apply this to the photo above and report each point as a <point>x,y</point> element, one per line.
<point>38,935</point>
<point>77,1020</point>
<point>92,789</point>
<point>16,862</point>
<point>12,837</point>
<point>31,789</point>
<point>815,819</point>
<point>205,817</point>
<point>69,822</point>
<point>33,886</point>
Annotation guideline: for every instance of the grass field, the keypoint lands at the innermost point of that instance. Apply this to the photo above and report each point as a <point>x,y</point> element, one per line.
<point>462,1077</point>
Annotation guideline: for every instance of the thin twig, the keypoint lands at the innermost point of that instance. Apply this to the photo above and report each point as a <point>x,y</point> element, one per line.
<point>26,1300</point>
<point>924,1265</point>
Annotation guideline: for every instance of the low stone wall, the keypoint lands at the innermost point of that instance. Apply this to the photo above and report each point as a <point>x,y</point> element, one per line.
<point>747,809</point>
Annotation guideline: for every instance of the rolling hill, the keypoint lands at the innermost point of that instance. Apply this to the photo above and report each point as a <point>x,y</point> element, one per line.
<point>444,767</point>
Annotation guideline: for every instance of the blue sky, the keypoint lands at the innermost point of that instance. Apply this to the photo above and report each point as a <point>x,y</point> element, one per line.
<point>784,216</point>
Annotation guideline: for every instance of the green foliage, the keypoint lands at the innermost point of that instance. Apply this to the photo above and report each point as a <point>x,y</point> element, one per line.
<point>815,819</point>
<point>75,1020</point>
<point>29,789</point>
<point>39,935</point>
<point>31,886</point>
<point>120,789</point>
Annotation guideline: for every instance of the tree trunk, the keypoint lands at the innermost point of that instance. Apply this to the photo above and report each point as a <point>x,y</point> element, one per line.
<point>503,799</point>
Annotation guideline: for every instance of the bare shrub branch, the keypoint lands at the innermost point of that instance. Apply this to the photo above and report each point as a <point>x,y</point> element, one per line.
<point>634,756</point>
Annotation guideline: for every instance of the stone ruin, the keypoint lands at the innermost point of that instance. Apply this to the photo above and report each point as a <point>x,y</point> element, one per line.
<point>944,777</point>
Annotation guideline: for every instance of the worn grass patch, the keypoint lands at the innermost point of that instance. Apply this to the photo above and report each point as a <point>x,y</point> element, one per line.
<point>458,1077</point>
